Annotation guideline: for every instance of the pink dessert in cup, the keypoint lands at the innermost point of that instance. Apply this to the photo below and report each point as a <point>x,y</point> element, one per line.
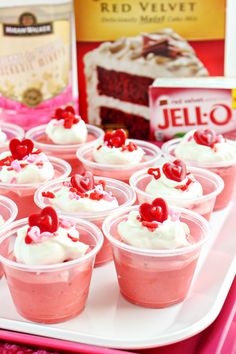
<point>118,157</point>
<point>206,149</point>
<point>62,136</point>
<point>155,251</point>
<point>88,197</point>
<point>48,262</point>
<point>8,213</point>
<point>192,188</point>
<point>23,169</point>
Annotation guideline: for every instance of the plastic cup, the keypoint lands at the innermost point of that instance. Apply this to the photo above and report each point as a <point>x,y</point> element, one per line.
<point>8,211</point>
<point>156,278</point>
<point>211,183</point>
<point>120,172</point>
<point>66,152</point>
<point>52,293</point>
<point>23,194</point>
<point>225,169</point>
<point>123,193</point>
<point>11,131</point>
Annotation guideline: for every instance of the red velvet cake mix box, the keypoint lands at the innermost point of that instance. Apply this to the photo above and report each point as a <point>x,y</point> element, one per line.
<point>124,45</point>
<point>180,105</point>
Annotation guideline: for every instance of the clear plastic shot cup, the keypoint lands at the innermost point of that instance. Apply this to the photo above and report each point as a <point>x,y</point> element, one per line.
<point>156,278</point>
<point>66,152</point>
<point>49,293</point>
<point>23,194</point>
<point>120,172</point>
<point>11,131</point>
<point>8,213</point>
<point>225,169</point>
<point>121,191</point>
<point>211,183</point>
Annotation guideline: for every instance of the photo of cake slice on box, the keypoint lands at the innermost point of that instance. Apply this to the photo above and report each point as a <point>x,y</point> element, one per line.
<point>119,73</point>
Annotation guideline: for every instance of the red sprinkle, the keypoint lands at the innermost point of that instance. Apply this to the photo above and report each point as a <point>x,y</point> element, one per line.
<point>130,147</point>
<point>48,194</point>
<point>76,120</point>
<point>155,172</point>
<point>74,190</point>
<point>28,239</point>
<point>74,239</point>
<point>99,147</point>
<point>184,187</point>
<point>95,196</point>
<point>38,151</point>
<point>103,183</point>
<point>6,161</point>
<point>150,225</point>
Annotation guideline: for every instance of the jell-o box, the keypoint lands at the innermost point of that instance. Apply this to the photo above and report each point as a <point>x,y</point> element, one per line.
<point>180,105</point>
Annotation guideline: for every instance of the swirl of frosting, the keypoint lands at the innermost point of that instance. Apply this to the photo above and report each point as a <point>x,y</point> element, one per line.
<point>33,168</point>
<point>60,135</point>
<point>165,187</point>
<point>66,127</point>
<point>190,150</point>
<point>94,200</point>
<point>170,234</point>
<point>117,156</point>
<point>49,248</point>
<point>117,150</point>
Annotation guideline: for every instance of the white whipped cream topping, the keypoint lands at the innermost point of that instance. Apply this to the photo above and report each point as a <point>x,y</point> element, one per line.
<point>56,131</point>
<point>168,235</point>
<point>188,149</point>
<point>36,168</point>
<point>3,136</point>
<point>57,249</point>
<point>165,187</point>
<point>71,202</point>
<point>115,156</point>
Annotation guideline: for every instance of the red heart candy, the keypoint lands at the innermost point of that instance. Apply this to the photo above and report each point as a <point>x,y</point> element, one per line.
<point>155,172</point>
<point>205,137</point>
<point>176,171</point>
<point>20,149</point>
<point>116,138</point>
<point>157,211</point>
<point>83,183</point>
<point>70,109</point>
<point>61,113</point>
<point>58,114</point>
<point>47,220</point>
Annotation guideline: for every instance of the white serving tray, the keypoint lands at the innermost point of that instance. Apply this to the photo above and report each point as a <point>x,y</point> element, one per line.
<point>111,321</point>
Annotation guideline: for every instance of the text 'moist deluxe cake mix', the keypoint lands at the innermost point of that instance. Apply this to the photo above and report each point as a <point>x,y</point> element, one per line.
<point>135,42</point>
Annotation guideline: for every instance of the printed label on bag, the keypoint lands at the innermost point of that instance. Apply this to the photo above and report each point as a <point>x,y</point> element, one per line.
<point>34,57</point>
